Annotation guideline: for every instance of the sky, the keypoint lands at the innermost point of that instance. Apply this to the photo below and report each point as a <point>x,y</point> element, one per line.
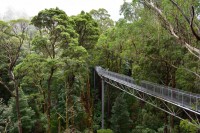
<point>71,7</point>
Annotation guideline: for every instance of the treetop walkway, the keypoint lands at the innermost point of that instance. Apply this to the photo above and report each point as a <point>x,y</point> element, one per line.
<point>171,100</point>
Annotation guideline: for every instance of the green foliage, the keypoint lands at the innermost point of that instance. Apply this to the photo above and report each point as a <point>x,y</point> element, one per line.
<point>120,119</point>
<point>187,127</point>
<point>97,116</point>
<point>46,18</point>
<point>4,116</point>
<point>50,61</point>
<point>141,129</point>
<point>56,27</point>
<point>148,120</point>
<point>104,131</point>
<point>130,10</point>
<point>87,29</point>
<point>27,114</point>
<point>102,18</point>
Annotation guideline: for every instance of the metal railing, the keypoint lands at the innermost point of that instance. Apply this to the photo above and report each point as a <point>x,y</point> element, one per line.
<point>175,96</point>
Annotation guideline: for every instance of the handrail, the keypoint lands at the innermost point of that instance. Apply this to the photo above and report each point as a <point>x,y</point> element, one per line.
<point>176,96</point>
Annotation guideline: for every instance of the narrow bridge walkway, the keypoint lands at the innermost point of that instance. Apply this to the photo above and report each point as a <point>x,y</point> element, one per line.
<point>171,100</point>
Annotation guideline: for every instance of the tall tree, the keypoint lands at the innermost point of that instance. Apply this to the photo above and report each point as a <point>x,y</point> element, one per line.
<point>120,120</point>
<point>102,18</point>
<point>185,21</point>
<point>55,32</point>
<point>87,30</point>
<point>27,114</point>
<point>14,36</point>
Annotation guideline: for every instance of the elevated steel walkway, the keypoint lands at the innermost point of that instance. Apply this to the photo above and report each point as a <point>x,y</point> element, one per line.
<point>170,100</point>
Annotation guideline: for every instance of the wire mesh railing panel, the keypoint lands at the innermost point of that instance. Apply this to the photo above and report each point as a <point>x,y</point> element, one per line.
<point>149,88</point>
<point>166,93</point>
<point>198,104</point>
<point>186,100</point>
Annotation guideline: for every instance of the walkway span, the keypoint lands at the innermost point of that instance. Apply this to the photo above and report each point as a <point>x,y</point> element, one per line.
<point>171,100</point>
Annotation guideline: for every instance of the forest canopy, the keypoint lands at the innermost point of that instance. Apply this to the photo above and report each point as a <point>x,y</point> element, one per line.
<point>47,77</point>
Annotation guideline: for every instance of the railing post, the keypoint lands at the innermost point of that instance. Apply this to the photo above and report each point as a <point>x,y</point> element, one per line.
<point>182,98</point>
<point>102,104</point>
<point>94,79</point>
<point>171,94</point>
<point>167,92</point>
<point>196,103</point>
<point>190,100</point>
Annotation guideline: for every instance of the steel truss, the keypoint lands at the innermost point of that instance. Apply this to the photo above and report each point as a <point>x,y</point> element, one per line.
<point>156,101</point>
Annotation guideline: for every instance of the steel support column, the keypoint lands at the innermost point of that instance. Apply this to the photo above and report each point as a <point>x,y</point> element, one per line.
<point>94,80</point>
<point>102,103</point>
<point>181,104</point>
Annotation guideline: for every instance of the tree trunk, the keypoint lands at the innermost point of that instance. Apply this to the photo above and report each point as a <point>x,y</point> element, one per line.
<point>89,104</point>
<point>67,121</point>
<point>166,122</point>
<point>59,126</point>
<point>167,80</point>
<point>49,100</point>
<point>45,103</point>
<point>12,77</point>
<point>174,86</point>
<point>172,122</point>
<point>66,105</point>
<point>18,111</point>
<point>48,111</point>
<point>108,104</point>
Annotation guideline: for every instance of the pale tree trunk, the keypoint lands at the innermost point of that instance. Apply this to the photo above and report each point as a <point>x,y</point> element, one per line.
<point>7,123</point>
<point>193,50</point>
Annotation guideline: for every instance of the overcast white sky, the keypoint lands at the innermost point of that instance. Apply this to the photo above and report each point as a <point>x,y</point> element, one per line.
<point>71,7</point>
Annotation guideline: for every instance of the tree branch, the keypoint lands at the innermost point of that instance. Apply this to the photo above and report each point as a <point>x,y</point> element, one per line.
<point>190,21</point>
<point>7,88</point>
<point>191,49</point>
<point>179,8</point>
<point>191,25</point>
<point>188,70</point>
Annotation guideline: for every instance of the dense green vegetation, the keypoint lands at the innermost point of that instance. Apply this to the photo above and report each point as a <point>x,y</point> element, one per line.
<point>47,64</point>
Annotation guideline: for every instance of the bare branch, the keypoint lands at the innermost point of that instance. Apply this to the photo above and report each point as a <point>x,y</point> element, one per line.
<point>179,8</point>
<point>7,88</point>
<point>191,25</point>
<point>190,22</point>
<point>174,66</point>
<point>191,49</point>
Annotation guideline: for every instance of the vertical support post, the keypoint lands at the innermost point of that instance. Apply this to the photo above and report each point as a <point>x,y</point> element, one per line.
<point>196,103</point>
<point>190,100</point>
<point>94,79</point>
<point>102,103</point>
<point>182,98</point>
<point>171,94</point>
